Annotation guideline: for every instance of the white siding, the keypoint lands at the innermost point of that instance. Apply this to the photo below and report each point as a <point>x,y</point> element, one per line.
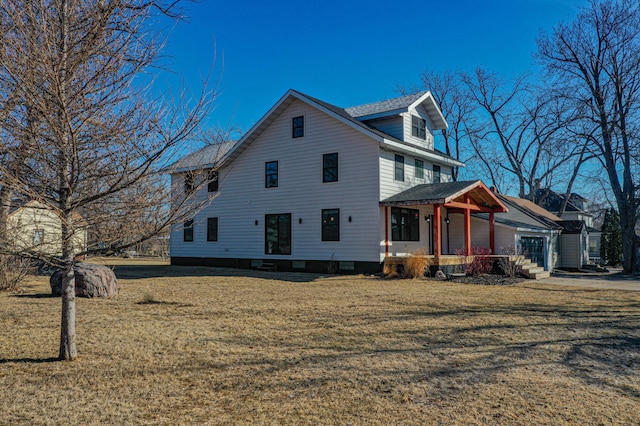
<point>422,113</point>
<point>243,199</point>
<point>389,186</point>
<point>24,222</point>
<point>404,248</point>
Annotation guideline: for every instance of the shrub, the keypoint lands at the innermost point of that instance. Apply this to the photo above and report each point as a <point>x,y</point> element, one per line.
<point>480,263</point>
<point>510,263</point>
<point>416,265</point>
<point>13,269</point>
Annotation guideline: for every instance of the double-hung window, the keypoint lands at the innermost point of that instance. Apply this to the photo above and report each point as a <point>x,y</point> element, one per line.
<point>187,230</point>
<point>297,127</point>
<point>330,167</point>
<point>212,229</point>
<point>271,174</point>
<point>419,167</point>
<point>212,186</point>
<point>399,168</point>
<point>436,174</point>
<point>38,236</point>
<point>405,224</point>
<point>189,182</point>
<point>418,127</point>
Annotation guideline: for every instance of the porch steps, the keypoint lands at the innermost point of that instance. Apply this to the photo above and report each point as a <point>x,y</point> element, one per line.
<point>533,271</point>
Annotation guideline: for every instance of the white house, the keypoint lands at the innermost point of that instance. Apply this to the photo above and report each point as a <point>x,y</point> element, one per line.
<point>320,188</point>
<point>34,229</point>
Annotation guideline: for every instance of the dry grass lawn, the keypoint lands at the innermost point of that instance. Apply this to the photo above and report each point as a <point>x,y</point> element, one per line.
<point>183,345</point>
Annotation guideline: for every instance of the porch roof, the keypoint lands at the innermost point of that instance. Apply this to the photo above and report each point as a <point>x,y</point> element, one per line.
<point>451,195</point>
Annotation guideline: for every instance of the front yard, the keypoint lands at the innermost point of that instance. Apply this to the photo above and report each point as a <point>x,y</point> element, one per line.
<point>186,345</point>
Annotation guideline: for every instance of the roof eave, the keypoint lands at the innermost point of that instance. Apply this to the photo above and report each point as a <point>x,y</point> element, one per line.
<point>382,114</point>
<point>435,115</point>
<point>413,150</point>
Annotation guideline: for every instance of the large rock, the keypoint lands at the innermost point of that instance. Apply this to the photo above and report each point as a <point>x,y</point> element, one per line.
<point>91,281</point>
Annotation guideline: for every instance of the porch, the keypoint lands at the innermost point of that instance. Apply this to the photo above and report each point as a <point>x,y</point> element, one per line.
<point>446,229</point>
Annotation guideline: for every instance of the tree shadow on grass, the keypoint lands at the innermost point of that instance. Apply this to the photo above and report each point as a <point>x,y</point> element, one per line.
<point>37,296</point>
<point>130,272</point>
<point>29,360</point>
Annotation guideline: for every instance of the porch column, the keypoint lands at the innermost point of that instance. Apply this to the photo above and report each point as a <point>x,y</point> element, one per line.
<point>467,227</point>
<point>437,244</point>
<point>492,232</point>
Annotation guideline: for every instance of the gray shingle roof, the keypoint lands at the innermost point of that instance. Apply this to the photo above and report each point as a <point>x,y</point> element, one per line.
<point>509,222</point>
<point>345,114</point>
<point>430,192</point>
<point>384,106</point>
<point>209,155</point>
<point>552,200</point>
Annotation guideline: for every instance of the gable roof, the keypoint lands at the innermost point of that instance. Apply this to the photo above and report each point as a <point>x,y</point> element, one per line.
<point>512,223</point>
<point>394,105</point>
<point>552,201</point>
<point>532,210</point>
<point>341,115</point>
<point>446,192</point>
<point>532,207</point>
<point>572,226</point>
<point>399,105</point>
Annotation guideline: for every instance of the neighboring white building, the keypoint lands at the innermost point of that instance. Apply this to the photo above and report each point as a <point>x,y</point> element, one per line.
<point>320,188</point>
<point>580,240</point>
<point>35,229</point>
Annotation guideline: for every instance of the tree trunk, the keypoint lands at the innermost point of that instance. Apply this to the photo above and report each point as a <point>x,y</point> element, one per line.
<point>68,349</point>
<point>5,207</point>
<point>629,240</point>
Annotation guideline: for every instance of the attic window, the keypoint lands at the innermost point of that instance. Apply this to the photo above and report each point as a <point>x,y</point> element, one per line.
<point>298,127</point>
<point>189,184</point>
<point>212,186</point>
<point>418,127</point>
<point>38,236</point>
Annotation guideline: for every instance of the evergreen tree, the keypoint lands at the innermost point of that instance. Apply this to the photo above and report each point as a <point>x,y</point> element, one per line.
<point>611,241</point>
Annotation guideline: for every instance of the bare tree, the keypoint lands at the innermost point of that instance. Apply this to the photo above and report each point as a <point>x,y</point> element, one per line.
<point>521,132</point>
<point>459,108</point>
<point>594,61</point>
<point>85,138</point>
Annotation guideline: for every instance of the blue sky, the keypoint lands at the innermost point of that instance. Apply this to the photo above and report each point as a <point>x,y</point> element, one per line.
<point>348,52</point>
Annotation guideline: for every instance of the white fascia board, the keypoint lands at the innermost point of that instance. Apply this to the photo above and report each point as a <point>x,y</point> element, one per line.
<point>381,114</point>
<point>408,149</point>
<point>525,229</point>
<point>433,109</point>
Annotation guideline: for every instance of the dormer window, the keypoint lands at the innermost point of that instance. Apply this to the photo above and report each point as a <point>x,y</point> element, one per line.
<point>297,127</point>
<point>418,127</point>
